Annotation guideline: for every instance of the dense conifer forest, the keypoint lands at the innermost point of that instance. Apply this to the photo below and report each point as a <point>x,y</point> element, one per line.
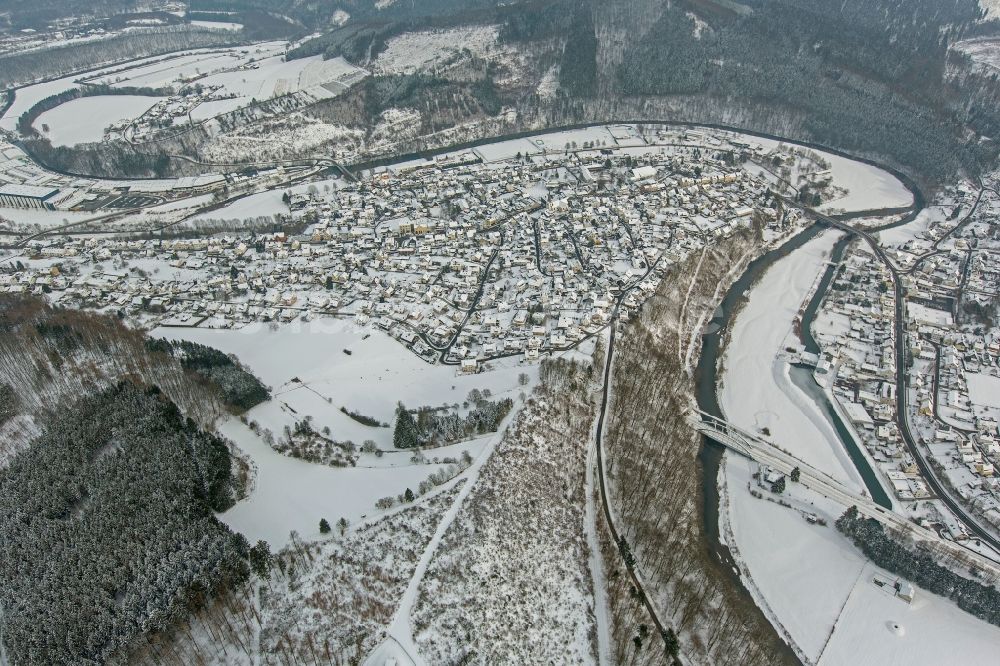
<point>111,511</point>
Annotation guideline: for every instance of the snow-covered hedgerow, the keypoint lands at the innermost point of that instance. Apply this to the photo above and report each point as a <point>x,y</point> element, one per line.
<point>330,601</point>
<point>510,581</point>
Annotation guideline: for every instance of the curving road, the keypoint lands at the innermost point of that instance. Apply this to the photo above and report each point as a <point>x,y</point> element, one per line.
<point>902,413</point>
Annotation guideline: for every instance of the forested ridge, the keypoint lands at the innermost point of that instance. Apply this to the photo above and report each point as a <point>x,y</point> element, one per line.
<point>867,75</point>
<point>107,528</point>
<point>653,477</point>
<point>50,357</point>
<point>24,66</point>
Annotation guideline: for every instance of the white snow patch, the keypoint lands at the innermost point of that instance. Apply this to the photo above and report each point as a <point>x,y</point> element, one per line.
<point>423,51</point>
<point>83,120</point>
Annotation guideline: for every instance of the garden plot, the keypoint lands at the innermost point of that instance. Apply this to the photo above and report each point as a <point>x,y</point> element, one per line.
<point>984,394</point>
<point>84,120</point>
<point>292,135</point>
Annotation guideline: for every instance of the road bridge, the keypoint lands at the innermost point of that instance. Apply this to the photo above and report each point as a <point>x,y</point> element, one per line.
<point>756,448</point>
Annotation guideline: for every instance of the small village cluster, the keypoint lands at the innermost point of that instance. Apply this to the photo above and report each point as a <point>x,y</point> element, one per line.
<point>951,278</point>
<point>956,378</point>
<point>460,260</point>
<point>859,365</point>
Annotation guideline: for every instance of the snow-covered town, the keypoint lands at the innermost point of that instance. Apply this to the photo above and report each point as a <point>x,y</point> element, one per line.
<point>376,333</point>
<point>457,257</point>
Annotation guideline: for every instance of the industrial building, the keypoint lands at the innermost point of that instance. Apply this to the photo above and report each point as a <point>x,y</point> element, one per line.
<point>26,196</point>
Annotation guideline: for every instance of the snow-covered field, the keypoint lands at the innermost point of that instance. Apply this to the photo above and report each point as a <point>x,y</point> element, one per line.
<point>820,589</point>
<point>274,76</point>
<point>255,205</point>
<point>218,25</point>
<point>985,51</point>
<point>868,187</point>
<point>261,204</point>
<point>172,71</point>
<point>984,393</point>
<point>84,120</point>
<point>25,98</point>
<point>752,367</point>
<point>44,218</point>
<point>812,583</point>
<point>207,110</point>
<point>309,374</point>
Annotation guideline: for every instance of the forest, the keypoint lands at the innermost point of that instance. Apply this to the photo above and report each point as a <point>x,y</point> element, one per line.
<point>873,77</point>
<point>111,510</point>
<point>22,67</point>
<point>654,476</point>
<point>432,427</point>
<point>493,594</point>
<point>866,75</point>
<point>50,356</point>
<point>240,388</point>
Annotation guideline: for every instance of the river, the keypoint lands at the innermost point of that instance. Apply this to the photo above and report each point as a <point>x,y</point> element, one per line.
<point>706,380</point>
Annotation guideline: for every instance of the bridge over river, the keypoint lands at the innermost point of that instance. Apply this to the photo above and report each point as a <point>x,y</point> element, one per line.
<point>756,448</point>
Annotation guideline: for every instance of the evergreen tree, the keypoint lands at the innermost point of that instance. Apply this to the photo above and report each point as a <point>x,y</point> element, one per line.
<point>408,495</point>
<point>670,643</point>
<point>324,526</point>
<point>261,560</point>
<point>405,434</point>
<point>795,475</point>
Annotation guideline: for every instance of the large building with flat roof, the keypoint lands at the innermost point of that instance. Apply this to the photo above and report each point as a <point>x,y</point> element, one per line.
<point>26,196</point>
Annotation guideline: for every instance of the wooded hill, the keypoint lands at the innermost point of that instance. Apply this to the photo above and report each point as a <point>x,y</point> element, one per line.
<point>107,530</point>
<point>109,483</point>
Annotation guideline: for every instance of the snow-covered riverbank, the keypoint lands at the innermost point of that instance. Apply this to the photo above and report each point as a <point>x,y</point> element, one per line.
<point>808,578</point>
